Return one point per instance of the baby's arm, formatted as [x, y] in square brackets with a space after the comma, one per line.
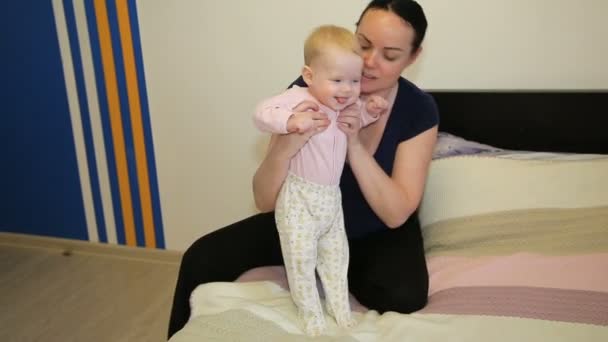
[271, 115]
[276, 115]
[371, 110]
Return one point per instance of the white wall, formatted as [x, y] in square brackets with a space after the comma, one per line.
[208, 62]
[515, 44]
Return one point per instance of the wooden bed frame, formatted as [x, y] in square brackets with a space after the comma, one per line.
[549, 121]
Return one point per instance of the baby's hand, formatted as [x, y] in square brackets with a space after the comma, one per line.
[376, 105]
[306, 118]
[300, 122]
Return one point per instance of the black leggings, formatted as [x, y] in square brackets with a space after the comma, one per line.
[387, 270]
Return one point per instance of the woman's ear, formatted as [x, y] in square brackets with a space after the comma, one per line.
[307, 75]
[414, 56]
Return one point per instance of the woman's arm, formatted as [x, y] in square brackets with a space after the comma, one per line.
[394, 198]
[271, 173]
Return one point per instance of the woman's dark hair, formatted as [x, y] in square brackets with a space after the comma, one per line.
[408, 10]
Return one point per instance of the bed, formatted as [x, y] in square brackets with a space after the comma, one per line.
[515, 226]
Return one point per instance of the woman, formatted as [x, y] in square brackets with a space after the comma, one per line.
[382, 184]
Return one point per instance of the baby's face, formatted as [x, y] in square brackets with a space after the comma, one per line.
[336, 80]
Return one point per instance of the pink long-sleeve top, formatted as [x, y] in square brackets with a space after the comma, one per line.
[322, 158]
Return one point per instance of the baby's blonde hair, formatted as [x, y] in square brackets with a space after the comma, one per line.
[328, 36]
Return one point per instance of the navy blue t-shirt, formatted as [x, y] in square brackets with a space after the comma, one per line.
[413, 112]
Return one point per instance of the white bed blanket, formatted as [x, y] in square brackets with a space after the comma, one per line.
[263, 311]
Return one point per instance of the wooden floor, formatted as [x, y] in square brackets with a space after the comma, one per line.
[70, 292]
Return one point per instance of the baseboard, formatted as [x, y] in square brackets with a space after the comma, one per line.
[70, 246]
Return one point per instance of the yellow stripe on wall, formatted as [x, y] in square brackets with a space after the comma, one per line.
[126, 41]
[90, 84]
[109, 70]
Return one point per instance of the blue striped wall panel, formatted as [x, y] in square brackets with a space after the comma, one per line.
[39, 185]
[75, 136]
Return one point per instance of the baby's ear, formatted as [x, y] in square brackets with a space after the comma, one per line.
[307, 75]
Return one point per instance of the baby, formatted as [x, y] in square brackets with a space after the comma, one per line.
[309, 207]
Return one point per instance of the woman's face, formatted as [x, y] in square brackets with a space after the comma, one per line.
[386, 44]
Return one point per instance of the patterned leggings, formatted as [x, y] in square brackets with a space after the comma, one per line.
[310, 223]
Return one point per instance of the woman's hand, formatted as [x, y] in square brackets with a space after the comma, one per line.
[306, 117]
[306, 121]
[349, 122]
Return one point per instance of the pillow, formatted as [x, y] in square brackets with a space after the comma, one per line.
[546, 155]
[518, 237]
[449, 145]
[464, 185]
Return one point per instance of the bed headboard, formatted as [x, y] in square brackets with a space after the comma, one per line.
[551, 121]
